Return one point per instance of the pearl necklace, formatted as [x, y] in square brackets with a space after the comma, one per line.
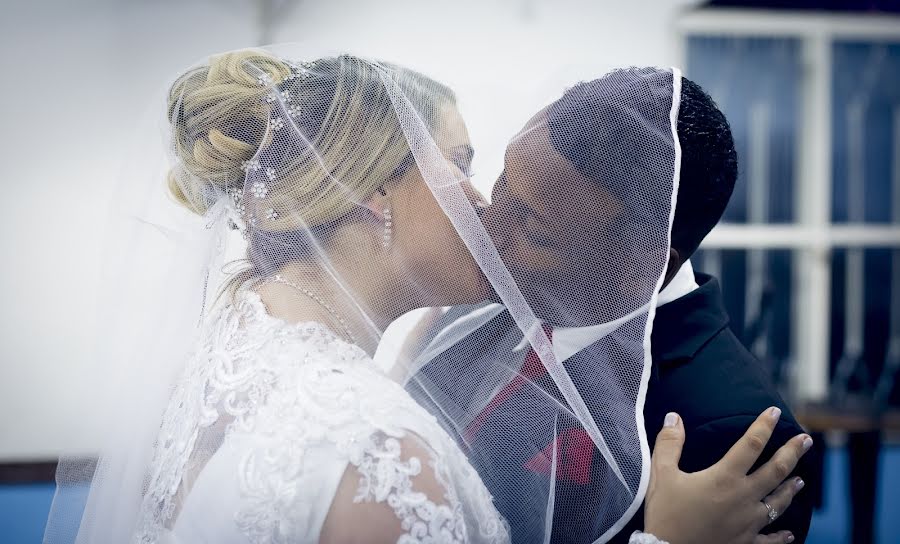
[277, 278]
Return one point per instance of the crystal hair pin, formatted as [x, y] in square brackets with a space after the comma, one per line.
[259, 189]
[235, 194]
[300, 71]
[250, 166]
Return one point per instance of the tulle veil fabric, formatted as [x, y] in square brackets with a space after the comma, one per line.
[288, 198]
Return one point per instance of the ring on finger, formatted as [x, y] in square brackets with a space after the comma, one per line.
[771, 512]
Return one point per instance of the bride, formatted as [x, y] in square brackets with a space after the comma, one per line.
[279, 428]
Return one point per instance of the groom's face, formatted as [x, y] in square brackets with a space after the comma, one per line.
[552, 227]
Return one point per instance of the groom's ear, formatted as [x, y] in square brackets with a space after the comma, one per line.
[675, 262]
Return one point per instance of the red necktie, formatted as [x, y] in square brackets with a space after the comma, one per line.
[574, 447]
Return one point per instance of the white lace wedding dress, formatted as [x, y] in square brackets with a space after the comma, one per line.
[266, 421]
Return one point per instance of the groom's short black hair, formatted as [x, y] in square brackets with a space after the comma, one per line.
[587, 128]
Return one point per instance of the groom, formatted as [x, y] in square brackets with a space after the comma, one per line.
[549, 200]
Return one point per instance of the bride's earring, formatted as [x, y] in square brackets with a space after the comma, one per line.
[388, 228]
[388, 235]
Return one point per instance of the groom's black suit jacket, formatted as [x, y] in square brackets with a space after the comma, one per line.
[703, 372]
[700, 370]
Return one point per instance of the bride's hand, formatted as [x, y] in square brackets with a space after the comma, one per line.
[722, 503]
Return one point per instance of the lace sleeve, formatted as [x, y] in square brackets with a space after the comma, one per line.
[638, 537]
[396, 492]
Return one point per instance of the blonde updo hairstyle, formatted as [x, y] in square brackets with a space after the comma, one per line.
[219, 116]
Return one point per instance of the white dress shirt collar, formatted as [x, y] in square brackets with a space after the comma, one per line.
[567, 341]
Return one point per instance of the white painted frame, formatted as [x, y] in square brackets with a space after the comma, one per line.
[812, 236]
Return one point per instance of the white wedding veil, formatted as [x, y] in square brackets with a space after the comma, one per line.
[580, 227]
[276, 167]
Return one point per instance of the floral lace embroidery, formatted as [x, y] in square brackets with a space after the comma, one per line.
[299, 386]
[638, 537]
[234, 369]
[386, 477]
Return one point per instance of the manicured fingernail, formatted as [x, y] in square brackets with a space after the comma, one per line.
[807, 443]
[775, 413]
[798, 484]
[790, 537]
[671, 419]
